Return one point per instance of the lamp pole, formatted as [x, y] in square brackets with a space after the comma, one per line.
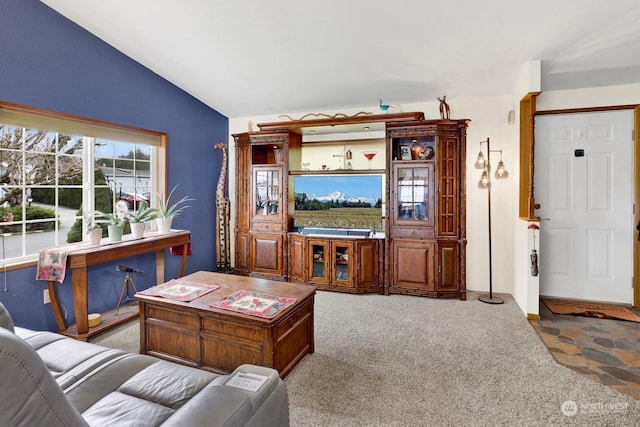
[489, 299]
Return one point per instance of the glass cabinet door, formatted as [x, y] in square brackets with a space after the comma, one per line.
[414, 188]
[267, 191]
[342, 259]
[318, 271]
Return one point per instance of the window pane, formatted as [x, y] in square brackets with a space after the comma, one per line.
[69, 170]
[124, 150]
[103, 199]
[40, 141]
[41, 169]
[69, 200]
[127, 165]
[143, 181]
[143, 152]
[43, 196]
[103, 148]
[70, 145]
[37, 241]
[11, 243]
[10, 137]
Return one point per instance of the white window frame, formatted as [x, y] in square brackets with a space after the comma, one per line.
[31, 118]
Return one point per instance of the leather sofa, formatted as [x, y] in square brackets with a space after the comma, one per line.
[47, 379]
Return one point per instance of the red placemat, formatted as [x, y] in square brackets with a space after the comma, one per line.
[180, 290]
[254, 303]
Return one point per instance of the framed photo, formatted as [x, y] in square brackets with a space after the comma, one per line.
[422, 152]
[404, 152]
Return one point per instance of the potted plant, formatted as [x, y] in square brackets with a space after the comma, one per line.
[95, 233]
[138, 218]
[115, 225]
[168, 210]
[94, 230]
[115, 221]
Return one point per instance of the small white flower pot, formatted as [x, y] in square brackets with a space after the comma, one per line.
[137, 229]
[95, 236]
[164, 224]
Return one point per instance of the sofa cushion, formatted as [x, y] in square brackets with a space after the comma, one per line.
[105, 379]
[68, 360]
[119, 409]
[167, 383]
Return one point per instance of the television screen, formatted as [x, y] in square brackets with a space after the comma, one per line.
[338, 201]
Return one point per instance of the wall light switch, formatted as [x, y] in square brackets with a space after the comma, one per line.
[45, 297]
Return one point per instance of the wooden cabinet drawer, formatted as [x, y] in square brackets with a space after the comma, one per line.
[413, 232]
[291, 321]
[171, 334]
[174, 317]
[163, 340]
[221, 328]
[271, 226]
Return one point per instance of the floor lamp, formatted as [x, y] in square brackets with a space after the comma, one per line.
[485, 183]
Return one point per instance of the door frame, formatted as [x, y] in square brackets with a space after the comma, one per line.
[527, 146]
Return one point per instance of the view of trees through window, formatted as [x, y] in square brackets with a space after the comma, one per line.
[46, 183]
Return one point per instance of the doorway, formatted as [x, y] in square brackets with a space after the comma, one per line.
[584, 196]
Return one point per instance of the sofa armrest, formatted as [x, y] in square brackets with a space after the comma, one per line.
[30, 396]
[5, 319]
[257, 398]
[213, 406]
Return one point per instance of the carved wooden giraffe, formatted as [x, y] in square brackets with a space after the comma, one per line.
[223, 246]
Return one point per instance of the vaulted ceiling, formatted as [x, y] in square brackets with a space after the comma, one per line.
[251, 57]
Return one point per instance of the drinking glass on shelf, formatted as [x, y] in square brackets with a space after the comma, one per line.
[369, 155]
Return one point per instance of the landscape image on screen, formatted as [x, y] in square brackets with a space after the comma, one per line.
[338, 201]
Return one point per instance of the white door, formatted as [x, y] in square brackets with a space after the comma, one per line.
[583, 185]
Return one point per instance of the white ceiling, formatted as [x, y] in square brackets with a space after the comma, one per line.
[253, 57]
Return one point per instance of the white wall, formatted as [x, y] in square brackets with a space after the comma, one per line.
[588, 98]
[526, 288]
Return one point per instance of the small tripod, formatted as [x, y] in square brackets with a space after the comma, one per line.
[128, 282]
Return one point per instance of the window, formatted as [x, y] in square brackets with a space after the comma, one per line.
[54, 167]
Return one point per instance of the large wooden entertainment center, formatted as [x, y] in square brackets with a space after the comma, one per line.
[423, 247]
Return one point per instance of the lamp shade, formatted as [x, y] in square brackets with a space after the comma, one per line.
[484, 182]
[501, 172]
[480, 162]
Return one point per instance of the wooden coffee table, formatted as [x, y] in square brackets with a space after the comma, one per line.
[195, 334]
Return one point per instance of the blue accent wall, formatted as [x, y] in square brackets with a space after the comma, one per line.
[48, 62]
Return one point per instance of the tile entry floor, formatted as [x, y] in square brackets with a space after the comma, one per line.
[605, 350]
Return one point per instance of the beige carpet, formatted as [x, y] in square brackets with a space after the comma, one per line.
[410, 361]
[590, 309]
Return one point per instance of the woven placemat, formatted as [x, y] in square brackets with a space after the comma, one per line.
[254, 303]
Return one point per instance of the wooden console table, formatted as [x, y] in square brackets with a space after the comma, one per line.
[78, 263]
